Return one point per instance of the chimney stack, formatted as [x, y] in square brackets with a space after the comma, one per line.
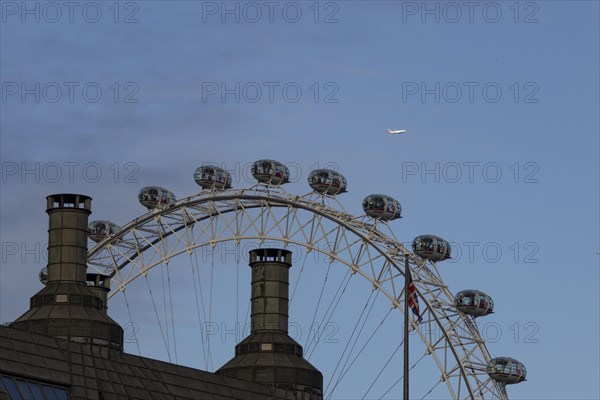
[66, 307]
[270, 290]
[269, 355]
[67, 237]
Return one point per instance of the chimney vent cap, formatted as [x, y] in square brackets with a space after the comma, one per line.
[68, 200]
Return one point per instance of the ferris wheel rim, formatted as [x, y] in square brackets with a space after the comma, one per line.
[340, 218]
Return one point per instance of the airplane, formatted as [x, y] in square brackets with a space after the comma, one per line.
[396, 131]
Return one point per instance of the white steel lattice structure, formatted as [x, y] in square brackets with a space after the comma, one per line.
[317, 222]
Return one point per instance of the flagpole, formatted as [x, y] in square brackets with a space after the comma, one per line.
[406, 298]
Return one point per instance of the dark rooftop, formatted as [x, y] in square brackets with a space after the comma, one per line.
[90, 374]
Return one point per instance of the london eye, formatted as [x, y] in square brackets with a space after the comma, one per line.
[361, 251]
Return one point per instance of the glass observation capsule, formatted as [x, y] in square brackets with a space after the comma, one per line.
[474, 303]
[271, 172]
[101, 229]
[43, 275]
[382, 207]
[327, 181]
[431, 247]
[155, 196]
[212, 177]
[506, 370]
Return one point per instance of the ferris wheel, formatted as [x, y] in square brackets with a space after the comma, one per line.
[363, 249]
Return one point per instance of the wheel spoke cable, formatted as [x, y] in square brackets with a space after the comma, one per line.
[198, 301]
[172, 314]
[351, 337]
[137, 342]
[237, 288]
[383, 368]
[402, 377]
[343, 370]
[360, 352]
[326, 319]
[360, 331]
[431, 390]
[312, 322]
[212, 270]
[297, 280]
[162, 332]
[165, 308]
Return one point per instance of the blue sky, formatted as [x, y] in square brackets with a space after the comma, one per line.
[512, 98]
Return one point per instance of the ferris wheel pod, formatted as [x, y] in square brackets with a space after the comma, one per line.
[431, 247]
[474, 303]
[43, 275]
[271, 172]
[506, 370]
[101, 229]
[380, 206]
[155, 196]
[327, 181]
[212, 177]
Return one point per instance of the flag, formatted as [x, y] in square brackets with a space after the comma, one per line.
[413, 302]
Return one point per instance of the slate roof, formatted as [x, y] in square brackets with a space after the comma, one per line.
[91, 374]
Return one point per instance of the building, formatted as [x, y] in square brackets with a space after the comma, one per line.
[66, 346]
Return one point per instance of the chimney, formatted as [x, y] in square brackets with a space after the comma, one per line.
[67, 237]
[269, 355]
[270, 290]
[67, 308]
